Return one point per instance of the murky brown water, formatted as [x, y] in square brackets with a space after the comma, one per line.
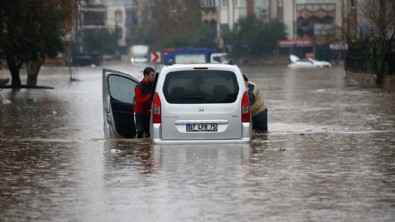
[329, 156]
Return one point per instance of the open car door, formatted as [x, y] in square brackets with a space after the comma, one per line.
[118, 104]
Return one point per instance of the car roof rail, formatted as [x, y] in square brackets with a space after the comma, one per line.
[170, 62]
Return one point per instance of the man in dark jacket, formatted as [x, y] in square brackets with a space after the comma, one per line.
[142, 106]
[257, 105]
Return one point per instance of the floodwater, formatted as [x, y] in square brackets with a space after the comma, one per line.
[329, 156]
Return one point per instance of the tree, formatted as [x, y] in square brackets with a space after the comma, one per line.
[100, 41]
[379, 15]
[31, 30]
[252, 37]
[208, 34]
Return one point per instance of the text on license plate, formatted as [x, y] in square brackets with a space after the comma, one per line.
[202, 127]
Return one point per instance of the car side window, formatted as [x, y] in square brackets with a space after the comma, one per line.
[121, 88]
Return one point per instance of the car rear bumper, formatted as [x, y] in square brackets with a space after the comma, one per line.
[246, 137]
[238, 141]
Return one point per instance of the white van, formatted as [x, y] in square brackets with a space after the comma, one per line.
[200, 103]
[139, 54]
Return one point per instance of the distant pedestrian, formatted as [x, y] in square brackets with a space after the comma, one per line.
[142, 104]
[258, 107]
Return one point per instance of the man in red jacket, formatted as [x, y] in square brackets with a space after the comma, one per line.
[142, 106]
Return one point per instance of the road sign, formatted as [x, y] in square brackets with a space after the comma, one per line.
[155, 57]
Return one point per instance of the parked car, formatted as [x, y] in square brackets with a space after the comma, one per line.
[200, 103]
[118, 104]
[296, 62]
[86, 60]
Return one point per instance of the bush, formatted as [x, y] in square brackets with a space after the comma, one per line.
[4, 82]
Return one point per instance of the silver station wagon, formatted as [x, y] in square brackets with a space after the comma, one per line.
[200, 103]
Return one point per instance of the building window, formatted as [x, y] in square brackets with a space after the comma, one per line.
[131, 18]
[118, 17]
[241, 3]
[123, 2]
[207, 3]
[94, 18]
[259, 3]
[315, 7]
[224, 3]
[280, 3]
[353, 3]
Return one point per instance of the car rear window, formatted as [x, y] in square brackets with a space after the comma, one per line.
[200, 86]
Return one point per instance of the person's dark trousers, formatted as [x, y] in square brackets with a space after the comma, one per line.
[259, 122]
[142, 125]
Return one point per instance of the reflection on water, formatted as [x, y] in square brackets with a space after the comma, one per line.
[329, 155]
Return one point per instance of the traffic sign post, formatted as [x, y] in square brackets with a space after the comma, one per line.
[155, 57]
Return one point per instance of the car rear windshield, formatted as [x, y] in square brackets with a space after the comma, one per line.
[200, 86]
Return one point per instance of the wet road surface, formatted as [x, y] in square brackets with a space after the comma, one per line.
[329, 156]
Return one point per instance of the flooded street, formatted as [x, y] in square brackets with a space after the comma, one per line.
[329, 156]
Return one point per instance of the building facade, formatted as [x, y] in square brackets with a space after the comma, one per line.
[115, 15]
[323, 21]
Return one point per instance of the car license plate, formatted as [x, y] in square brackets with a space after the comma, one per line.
[202, 127]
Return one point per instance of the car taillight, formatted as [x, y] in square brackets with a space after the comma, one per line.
[245, 109]
[156, 106]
